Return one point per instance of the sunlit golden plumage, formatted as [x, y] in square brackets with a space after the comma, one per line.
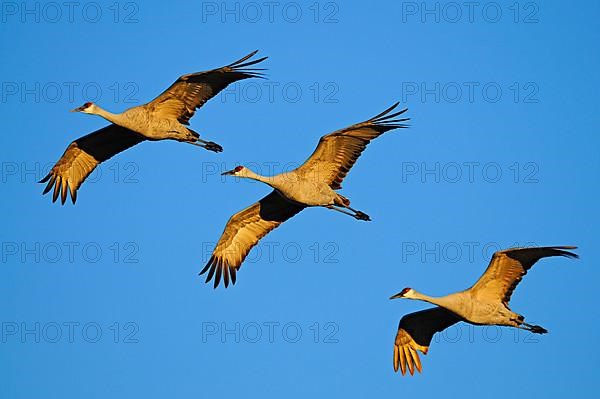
[311, 184]
[164, 118]
[485, 303]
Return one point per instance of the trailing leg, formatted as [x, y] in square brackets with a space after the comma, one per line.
[209, 145]
[343, 202]
[357, 214]
[520, 323]
[360, 215]
[534, 329]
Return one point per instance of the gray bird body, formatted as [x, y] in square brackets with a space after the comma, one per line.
[299, 187]
[148, 122]
[473, 309]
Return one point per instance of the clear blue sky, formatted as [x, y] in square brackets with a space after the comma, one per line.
[503, 151]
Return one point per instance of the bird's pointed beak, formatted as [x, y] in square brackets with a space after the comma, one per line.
[229, 172]
[398, 295]
[78, 109]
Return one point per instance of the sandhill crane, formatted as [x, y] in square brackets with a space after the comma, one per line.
[485, 303]
[164, 118]
[312, 184]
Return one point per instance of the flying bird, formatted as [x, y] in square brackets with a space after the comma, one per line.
[164, 118]
[314, 183]
[485, 303]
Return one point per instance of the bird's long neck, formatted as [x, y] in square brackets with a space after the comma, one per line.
[450, 302]
[109, 116]
[272, 181]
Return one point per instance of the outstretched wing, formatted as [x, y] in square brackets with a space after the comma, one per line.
[83, 155]
[507, 268]
[243, 231]
[191, 91]
[337, 152]
[415, 332]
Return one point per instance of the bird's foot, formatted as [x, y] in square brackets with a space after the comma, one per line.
[362, 216]
[538, 330]
[212, 146]
[533, 328]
